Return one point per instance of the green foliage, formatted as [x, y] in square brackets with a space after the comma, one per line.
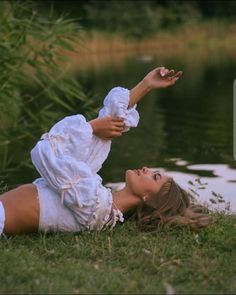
[35, 90]
[141, 18]
[137, 18]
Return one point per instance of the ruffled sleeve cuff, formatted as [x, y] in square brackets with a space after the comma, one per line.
[116, 103]
[115, 215]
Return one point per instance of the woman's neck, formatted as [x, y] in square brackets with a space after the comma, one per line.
[124, 200]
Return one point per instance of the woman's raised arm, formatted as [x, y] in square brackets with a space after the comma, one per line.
[118, 113]
[157, 78]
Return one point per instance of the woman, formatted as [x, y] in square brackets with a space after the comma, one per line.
[69, 195]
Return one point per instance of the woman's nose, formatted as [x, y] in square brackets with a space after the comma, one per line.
[145, 169]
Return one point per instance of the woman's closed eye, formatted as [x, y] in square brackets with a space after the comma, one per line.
[156, 175]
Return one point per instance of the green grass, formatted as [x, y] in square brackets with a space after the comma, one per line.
[123, 261]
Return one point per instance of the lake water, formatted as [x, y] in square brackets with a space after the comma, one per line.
[185, 131]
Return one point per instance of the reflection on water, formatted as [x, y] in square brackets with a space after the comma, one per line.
[222, 181]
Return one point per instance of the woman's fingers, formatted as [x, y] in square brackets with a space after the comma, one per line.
[169, 73]
[116, 133]
[166, 73]
[118, 123]
[177, 75]
[163, 71]
[173, 79]
[180, 73]
[118, 128]
[118, 119]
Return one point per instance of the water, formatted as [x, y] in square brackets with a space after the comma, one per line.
[185, 130]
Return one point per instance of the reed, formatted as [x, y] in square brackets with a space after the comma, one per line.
[35, 91]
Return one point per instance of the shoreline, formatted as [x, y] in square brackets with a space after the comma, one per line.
[98, 49]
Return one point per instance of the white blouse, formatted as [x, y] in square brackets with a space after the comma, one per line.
[69, 156]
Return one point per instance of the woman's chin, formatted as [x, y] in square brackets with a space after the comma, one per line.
[129, 172]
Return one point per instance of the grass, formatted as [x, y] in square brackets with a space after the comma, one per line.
[124, 261]
[127, 260]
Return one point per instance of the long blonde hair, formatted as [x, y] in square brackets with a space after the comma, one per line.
[172, 206]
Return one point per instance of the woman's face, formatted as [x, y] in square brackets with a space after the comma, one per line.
[143, 182]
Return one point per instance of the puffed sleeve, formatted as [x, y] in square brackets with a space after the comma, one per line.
[58, 157]
[71, 136]
[116, 103]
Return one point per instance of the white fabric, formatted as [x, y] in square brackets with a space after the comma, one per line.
[115, 216]
[2, 218]
[116, 104]
[54, 216]
[69, 156]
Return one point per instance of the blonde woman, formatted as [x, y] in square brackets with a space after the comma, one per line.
[69, 195]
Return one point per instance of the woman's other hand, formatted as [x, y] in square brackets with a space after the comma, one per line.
[108, 127]
[161, 78]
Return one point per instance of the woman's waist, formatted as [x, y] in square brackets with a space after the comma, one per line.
[92, 216]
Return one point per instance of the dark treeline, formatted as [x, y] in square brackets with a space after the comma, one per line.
[207, 8]
[140, 17]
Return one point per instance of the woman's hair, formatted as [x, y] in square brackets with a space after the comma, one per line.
[172, 206]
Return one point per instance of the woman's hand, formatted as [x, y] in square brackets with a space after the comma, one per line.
[161, 78]
[108, 127]
[157, 78]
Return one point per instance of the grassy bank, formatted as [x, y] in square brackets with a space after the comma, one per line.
[201, 40]
[123, 261]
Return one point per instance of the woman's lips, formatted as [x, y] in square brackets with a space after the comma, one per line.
[137, 172]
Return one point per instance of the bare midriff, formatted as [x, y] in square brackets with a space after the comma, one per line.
[22, 210]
